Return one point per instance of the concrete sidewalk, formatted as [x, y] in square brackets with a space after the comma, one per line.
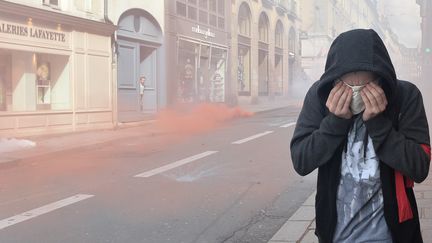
[301, 226]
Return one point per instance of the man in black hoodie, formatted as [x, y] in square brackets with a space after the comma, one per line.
[367, 133]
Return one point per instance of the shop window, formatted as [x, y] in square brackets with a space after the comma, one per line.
[5, 81]
[201, 72]
[221, 7]
[213, 20]
[263, 72]
[278, 72]
[192, 13]
[292, 41]
[243, 70]
[192, 2]
[203, 17]
[217, 75]
[43, 86]
[181, 9]
[32, 82]
[2, 92]
[186, 70]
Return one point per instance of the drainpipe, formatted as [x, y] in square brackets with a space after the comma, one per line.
[113, 68]
[107, 20]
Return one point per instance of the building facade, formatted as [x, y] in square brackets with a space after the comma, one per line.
[55, 66]
[197, 47]
[409, 68]
[139, 52]
[264, 58]
[426, 42]
[323, 21]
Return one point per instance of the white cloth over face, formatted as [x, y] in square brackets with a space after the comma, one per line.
[357, 104]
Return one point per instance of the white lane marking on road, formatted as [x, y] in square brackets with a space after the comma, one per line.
[289, 124]
[175, 164]
[252, 137]
[42, 210]
[277, 123]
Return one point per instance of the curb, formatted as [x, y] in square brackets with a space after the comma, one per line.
[122, 125]
[300, 226]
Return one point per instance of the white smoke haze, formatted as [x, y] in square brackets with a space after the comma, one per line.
[404, 18]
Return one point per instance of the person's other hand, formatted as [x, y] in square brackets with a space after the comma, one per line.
[374, 99]
[339, 100]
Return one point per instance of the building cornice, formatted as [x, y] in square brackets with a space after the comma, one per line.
[58, 17]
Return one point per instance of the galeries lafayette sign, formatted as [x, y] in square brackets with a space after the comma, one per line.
[32, 32]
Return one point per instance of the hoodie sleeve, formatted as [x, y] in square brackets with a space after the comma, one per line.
[404, 150]
[316, 136]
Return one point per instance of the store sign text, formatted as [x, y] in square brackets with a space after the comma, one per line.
[207, 33]
[31, 32]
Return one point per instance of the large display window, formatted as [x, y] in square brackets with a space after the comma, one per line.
[33, 81]
[201, 69]
[244, 70]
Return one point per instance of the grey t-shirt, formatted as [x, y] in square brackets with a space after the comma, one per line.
[359, 202]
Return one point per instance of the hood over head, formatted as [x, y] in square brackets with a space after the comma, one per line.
[358, 50]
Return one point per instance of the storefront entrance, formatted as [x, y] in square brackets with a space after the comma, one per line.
[139, 39]
[201, 69]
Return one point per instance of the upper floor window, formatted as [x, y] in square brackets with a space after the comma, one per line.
[279, 35]
[51, 2]
[209, 12]
[203, 4]
[244, 22]
[88, 5]
[221, 7]
[263, 28]
[181, 9]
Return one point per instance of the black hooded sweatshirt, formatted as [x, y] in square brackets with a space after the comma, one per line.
[400, 134]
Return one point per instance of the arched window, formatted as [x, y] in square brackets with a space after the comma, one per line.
[279, 34]
[244, 22]
[291, 42]
[263, 26]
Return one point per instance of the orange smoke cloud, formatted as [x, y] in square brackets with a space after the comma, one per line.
[199, 118]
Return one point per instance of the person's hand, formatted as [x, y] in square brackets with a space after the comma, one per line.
[339, 101]
[374, 99]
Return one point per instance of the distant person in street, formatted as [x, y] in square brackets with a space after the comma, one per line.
[367, 133]
[141, 90]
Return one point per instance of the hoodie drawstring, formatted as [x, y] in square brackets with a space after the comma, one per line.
[365, 144]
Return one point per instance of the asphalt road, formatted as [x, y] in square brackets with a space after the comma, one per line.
[234, 183]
